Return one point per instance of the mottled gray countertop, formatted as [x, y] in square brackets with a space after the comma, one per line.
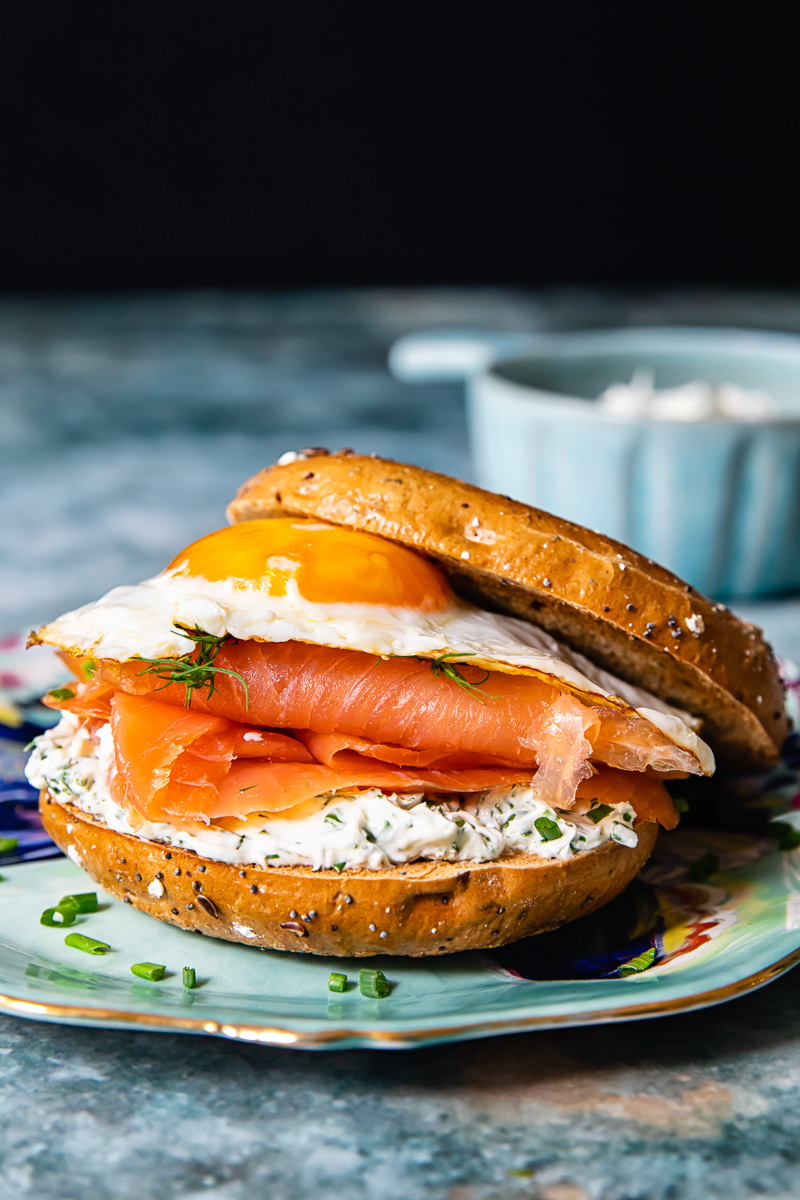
[126, 424]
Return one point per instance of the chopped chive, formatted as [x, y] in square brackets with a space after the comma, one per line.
[88, 668]
[249, 788]
[189, 977]
[704, 867]
[9, 843]
[338, 867]
[788, 837]
[638, 964]
[333, 817]
[89, 946]
[597, 814]
[82, 902]
[146, 970]
[337, 982]
[373, 984]
[64, 693]
[58, 916]
[548, 830]
[681, 803]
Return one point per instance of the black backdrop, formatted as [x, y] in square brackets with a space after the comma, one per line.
[247, 144]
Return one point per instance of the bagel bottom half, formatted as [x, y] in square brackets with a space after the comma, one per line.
[417, 909]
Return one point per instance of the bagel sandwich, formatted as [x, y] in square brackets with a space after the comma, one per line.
[384, 711]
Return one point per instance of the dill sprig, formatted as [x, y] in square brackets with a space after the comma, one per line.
[196, 669]
[443, 668]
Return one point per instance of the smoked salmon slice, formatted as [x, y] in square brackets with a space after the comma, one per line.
[273, 787]
[401, 702]
[177, 764]
[172, 760]
[327, 747]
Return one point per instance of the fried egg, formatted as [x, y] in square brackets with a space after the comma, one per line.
[296, 579]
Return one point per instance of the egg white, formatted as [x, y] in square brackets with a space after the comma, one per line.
[147, 620]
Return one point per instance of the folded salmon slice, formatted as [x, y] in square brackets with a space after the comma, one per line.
[177, 764]
[275, 787]
[401, 702]
[329, 747]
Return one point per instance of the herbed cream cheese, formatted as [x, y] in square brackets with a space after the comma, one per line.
[353, 829]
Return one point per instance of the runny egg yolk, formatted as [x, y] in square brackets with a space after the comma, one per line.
[329, 565]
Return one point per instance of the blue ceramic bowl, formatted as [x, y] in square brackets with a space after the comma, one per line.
[718, 501]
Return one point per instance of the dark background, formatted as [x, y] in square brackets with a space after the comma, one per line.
[255, 144]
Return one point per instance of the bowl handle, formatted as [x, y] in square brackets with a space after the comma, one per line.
[453, 353]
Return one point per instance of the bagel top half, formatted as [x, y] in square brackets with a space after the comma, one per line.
[618, 608]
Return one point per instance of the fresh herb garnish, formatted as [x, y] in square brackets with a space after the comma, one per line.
[61, 694]
[189, 977]
[638, 964]
[9, 843]
[548, 830]
[337, 982]
[788, 836]
[597, 814]
[339, 867]
[195, 670]
[249, 788]
[88, 668]
[58, 916]
[82, 902]
[333, 818]
[681, 803]
[704, 867]
[79, 941]
[373, 984]
[148, 970]
[443, 668]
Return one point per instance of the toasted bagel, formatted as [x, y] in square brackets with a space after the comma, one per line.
[419, 909]
[618, 608]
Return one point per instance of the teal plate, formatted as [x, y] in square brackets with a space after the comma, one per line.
[713, 940]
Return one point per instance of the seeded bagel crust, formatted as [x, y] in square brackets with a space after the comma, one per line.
[620, 609]
[422, 908]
